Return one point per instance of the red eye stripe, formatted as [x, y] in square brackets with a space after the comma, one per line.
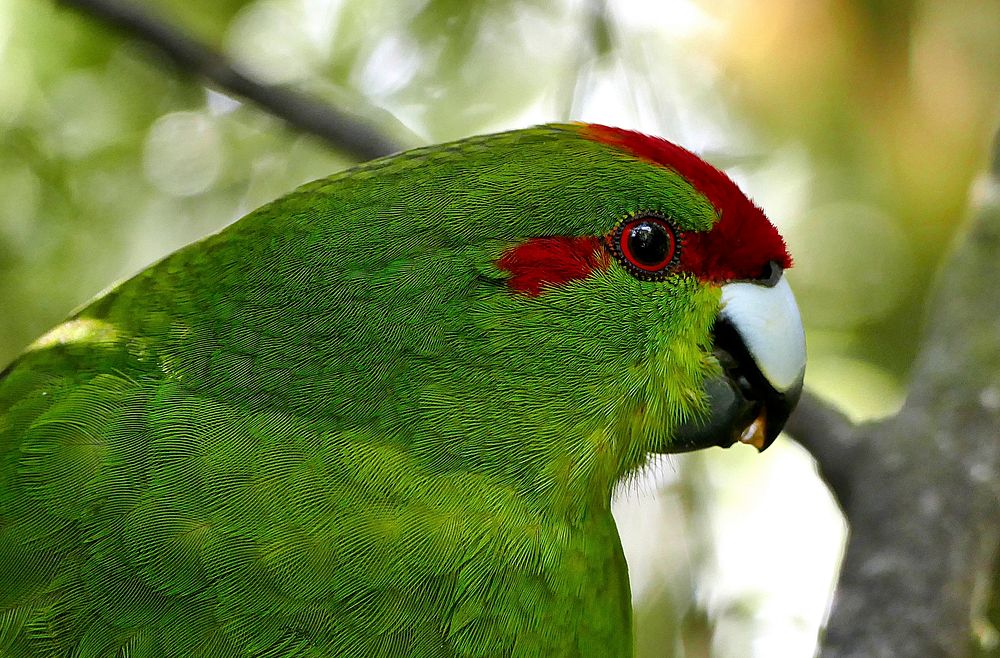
[551, 261]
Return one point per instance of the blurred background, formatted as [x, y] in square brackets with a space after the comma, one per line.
[859, 125]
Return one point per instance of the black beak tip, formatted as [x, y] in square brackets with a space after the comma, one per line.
[777, 408]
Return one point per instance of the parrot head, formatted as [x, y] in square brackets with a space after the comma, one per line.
[757, 335]
[550, 303]
[731, 265]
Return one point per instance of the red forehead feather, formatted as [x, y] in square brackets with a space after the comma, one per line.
[742, 242]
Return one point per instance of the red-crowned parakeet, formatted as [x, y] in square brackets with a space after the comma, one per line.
[384, 415]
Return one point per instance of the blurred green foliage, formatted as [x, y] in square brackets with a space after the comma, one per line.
[859, 125]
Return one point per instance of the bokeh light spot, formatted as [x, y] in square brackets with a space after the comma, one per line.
[183, 153]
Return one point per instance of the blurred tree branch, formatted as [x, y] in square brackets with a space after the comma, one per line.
[924, 493]
[312, 116]
[920, 490]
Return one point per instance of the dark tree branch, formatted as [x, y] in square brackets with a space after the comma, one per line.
[924, 509]
[307, 114]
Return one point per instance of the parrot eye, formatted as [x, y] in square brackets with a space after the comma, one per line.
[646, 246]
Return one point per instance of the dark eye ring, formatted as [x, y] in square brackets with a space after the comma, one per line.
[647, 245]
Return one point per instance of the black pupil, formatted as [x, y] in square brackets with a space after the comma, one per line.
[649, 243]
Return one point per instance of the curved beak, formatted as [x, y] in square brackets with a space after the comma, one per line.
[761, 347]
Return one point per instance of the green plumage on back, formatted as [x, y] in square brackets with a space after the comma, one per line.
[334, 428]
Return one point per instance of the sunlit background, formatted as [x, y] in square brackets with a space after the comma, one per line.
[859, 125]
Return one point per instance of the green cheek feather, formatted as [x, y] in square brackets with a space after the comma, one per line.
[384, 415]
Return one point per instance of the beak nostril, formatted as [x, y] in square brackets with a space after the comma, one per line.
[771, 274]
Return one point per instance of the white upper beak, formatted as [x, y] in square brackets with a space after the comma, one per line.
[767, 319]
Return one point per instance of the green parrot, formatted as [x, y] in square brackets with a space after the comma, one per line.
[385, 414]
